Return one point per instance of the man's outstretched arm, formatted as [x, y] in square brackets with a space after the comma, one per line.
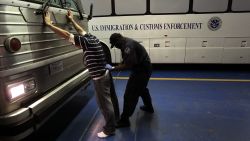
[78, 28]
[63, 33]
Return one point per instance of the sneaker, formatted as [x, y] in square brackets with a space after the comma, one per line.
[103, 135]
[122, 123]
[147, 109]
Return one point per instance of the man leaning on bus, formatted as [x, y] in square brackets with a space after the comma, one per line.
[95, 62]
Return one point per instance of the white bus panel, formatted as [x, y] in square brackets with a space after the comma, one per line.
[190, 38]
[167, 50]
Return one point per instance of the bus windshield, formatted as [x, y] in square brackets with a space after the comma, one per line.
[66, 4]
[69, 4]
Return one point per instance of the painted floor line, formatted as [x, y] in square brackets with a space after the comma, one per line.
[191, 79]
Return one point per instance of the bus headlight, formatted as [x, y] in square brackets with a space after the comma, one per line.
[16, 91]
[20, 89]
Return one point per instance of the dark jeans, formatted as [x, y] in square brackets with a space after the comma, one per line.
[103, 97]
[136, 87]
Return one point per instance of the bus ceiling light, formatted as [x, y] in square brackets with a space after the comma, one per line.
[20, 89]
[12, 44]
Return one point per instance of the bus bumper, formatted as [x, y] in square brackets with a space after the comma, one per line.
[24, 121]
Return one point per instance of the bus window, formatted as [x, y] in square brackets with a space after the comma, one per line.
[101, 7]
[69, 4]
[169, 6]
[210, 5]
[240, 5]
[124, 7]
[55, 3]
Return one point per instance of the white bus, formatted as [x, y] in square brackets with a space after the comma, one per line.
[178, 31]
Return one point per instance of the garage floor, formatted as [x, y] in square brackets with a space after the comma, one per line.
[200, 105]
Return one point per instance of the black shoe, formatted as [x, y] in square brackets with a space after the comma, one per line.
[122, 123]
[147, 109]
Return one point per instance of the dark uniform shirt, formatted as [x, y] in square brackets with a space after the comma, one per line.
[135, 55]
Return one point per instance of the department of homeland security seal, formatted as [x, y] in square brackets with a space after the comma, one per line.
[214, 23]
